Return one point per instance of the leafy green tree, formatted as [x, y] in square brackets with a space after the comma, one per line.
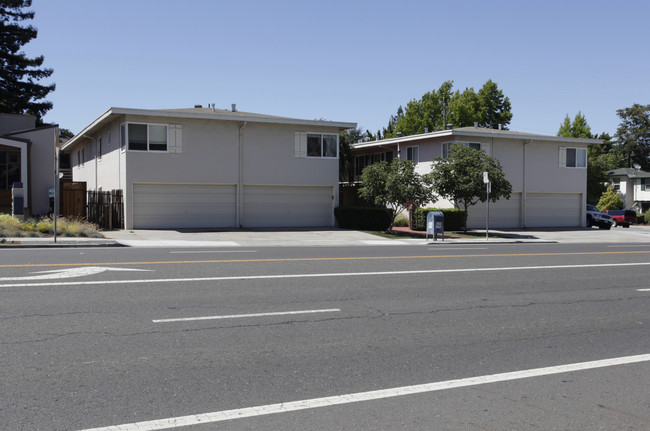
[576, 129]
[20, 92]
[610, 200]
[489, 108]
[394, 186]
[459, 177]
[494, 107]
[346, 157]
[633, 135]
[600, 160]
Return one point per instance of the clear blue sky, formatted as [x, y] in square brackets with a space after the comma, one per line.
[353, 61]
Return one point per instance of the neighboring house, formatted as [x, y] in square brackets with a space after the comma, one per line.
[211, 168]
[27, 155]
[548, 173]
[634, 187]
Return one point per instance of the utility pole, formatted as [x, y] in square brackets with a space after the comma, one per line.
[444, 113]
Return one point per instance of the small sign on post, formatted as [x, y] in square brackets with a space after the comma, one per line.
[488, 189]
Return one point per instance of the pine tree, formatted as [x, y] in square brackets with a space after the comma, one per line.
[20, 92]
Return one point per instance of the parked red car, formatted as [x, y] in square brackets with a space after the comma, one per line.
[622, 217]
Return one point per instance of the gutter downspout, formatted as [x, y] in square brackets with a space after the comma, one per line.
[523, 192]
[240, 184]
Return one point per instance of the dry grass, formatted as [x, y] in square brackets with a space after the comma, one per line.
[11, 227]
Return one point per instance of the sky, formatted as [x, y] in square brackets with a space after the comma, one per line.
[350, 61]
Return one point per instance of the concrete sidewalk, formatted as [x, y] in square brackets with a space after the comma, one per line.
[327, 237]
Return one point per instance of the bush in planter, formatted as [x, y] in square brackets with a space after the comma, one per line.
[363, 218]
[454, 218]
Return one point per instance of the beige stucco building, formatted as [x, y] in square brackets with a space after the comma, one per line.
[211, 168]
[548, 173]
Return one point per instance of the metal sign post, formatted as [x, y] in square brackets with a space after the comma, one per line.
[486, 180]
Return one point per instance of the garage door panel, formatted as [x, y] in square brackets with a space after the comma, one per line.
[184, 206]
[287, 206]
[504, 213]
[553, 209]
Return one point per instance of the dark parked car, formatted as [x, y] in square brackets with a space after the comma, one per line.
[596, 218]
[622, 217]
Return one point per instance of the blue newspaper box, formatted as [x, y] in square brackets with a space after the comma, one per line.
[435, 225]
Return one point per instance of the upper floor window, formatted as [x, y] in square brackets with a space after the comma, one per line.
[322, 145]
[146, 137]
[644, 184]
[573, 157]
[413, 154]
[447, 145]
[616, 183]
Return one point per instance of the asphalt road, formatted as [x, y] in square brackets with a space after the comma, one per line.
[445, 337]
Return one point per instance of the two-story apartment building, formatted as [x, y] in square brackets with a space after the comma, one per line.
[548, 173]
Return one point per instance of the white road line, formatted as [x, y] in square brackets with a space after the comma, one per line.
[203, 418]
[334, 274]
[643, 290]
[239, 316]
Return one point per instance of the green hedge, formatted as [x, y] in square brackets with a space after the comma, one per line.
[454, 218]
[362, 218]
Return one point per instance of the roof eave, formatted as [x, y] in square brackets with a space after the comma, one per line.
[477, 133]
[204, 116]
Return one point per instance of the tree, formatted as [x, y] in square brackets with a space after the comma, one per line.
[459, 177]
[437, 108]
[346, 158]
[394, 186]
[20, 92]
[494, 107]
[576, 129]
[633, 135]
[610, 201]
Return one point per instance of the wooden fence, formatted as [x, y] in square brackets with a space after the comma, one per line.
[73, 199]
[106, 209]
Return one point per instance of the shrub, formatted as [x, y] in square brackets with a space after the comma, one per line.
[45, 226]
[362, 218]
[9, 222]
[454, 218]
[401, 221]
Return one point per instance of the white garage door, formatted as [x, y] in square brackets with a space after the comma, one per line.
[184, 206]
[287, 206]
[504, 213]
[553, 209]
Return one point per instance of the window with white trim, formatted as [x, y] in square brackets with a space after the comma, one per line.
[146, 137]
[317, 145]
[644, 184]
[413, 154]
[616, 183]
[447, 145]
[322, 145]
[573, 157]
